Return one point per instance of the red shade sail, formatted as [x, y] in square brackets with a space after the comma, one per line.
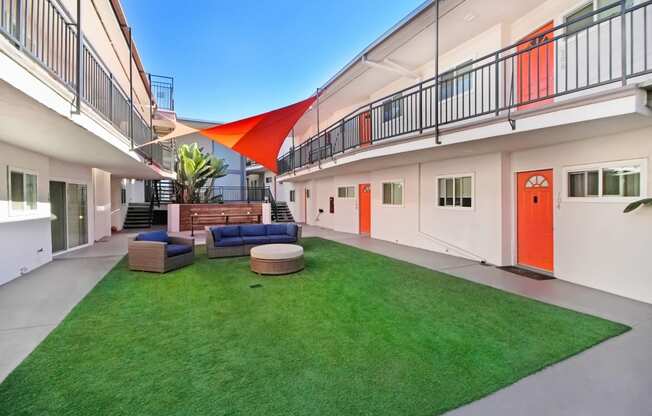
[260, 137]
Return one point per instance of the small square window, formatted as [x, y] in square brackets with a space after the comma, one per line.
[292, 195]
[23, 192]
[455, 191]
[392, 193]
[346, 192]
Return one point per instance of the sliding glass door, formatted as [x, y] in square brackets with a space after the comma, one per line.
[58, 222]
[69, 207]
[76, 215]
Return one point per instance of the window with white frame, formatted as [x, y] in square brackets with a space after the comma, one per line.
[22, 191]
[455, 191]
[393, 193]
[457, 81]
[605, 181]
[292, 195]
[392, 108]
[346, 192]
[588, 8]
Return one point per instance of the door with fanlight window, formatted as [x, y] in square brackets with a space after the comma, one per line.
[364, 207]
[536, 68]
[535, 236]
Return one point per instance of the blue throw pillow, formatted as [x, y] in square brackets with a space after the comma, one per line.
[253, 230]
[292, 230]
[160, 236]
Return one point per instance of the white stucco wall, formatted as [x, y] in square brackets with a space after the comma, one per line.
[102, 206]
[27, 242]
[596, 244]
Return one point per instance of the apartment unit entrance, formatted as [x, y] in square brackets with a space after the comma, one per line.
[536, 68]
[364, 128]
[535, 244]
[69, 225]
[364, 208]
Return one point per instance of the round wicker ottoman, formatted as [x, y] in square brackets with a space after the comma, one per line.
[276, 259]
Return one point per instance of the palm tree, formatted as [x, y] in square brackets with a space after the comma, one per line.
[196, 173]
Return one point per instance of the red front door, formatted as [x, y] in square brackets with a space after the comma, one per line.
[364, 128]
[364, 198]
[535, 219]
[536, 68]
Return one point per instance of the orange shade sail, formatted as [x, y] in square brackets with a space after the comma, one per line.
[260, 137]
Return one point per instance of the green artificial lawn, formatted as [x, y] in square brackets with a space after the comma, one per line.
[355, 333]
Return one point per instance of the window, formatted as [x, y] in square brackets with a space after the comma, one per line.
[457, 81]
[393, 193]
[455, 191]
[268, 179]
[609, 180]
[346, 192]
[581, 184]
[22, 192]
[292, 195]
[588, 9]
[392, 108]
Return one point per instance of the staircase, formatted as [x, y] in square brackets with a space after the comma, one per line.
[282, 213]
[139, 215]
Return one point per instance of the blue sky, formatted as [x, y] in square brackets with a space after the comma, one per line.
[231, 59]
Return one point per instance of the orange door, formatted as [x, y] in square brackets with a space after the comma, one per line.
[534, 216]
[536, 67]
[364, 198]
[364, 128]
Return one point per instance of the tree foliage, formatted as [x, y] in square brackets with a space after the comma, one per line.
[196, 174]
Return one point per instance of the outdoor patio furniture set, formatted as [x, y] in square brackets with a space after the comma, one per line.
[272, 247]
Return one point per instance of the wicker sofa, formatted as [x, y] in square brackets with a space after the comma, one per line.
[238, 240]
[158, 252]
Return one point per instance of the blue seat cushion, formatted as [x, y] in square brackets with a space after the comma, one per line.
[160, 236]
[253, 230]
[292, 230]
[177, 249]
[284, 238]
[256, 239]
[229, 242]
[276, 229]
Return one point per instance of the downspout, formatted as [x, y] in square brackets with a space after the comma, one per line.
[437, 141]
[131, 92]
[78, 52]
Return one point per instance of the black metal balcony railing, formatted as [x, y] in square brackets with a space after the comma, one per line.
[163, 91]
[612, 44]
[44, 30]
[163, 192]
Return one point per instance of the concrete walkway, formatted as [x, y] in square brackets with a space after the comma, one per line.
[613, 378]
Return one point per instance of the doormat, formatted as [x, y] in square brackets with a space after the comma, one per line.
[526, 273]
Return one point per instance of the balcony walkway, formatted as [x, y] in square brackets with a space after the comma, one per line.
[614, 377]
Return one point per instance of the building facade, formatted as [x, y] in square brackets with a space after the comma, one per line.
[75, 107]
[524, 150]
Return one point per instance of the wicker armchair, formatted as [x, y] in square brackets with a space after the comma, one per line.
[156, 256]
